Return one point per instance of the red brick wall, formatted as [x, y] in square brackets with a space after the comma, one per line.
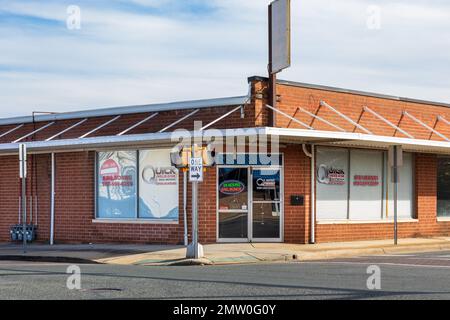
[296, 182]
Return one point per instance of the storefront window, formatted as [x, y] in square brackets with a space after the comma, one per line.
[116, 185]
[405, 198]
[158, 185]
[443, 187]
[332, 183]
[355, 184]
[123, 194]
[366, 187]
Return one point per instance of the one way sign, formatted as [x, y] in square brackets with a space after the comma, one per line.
[196, 170]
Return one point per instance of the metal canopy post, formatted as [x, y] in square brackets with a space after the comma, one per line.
[323, 103]
[388, 122]
[425, 125]
[138, 124]
[290, 117]
[321, 119]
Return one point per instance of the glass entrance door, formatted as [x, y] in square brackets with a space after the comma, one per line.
[233, 199]
[266, 204]
[249, 202]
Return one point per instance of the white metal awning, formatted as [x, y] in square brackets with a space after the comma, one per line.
[352, 139]
[285, 136]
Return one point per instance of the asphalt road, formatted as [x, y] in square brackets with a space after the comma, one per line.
[412, 276]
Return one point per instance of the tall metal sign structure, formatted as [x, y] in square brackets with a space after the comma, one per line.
[279, 46]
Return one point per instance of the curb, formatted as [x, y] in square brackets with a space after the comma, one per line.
[53, 259]
[191, 262]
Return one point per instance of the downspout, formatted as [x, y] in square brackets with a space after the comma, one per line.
[186, 241]
[52, 204]
[313, 192]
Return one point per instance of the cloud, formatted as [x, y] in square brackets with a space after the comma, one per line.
[144, 51]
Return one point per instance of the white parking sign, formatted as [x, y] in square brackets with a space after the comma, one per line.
[196, 170]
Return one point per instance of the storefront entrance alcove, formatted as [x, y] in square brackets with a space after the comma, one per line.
[250, 203]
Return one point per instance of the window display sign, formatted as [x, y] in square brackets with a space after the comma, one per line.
[158, 185]
[116, 184]
[332, 183]
[366, 181]
[231, 187]
[329, 175]
[266, 185]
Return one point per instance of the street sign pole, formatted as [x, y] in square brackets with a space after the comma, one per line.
[23, 176]
[195, 176]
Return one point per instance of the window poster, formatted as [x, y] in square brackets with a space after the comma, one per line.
[116, 184]
[332, 183]
[158, 185]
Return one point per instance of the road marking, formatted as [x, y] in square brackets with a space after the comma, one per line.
[378, 263]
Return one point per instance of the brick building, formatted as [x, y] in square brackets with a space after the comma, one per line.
[325, 178]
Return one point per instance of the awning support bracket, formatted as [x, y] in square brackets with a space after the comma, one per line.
[11, 130]
[377, 115]
[138, 124]
[67, 129]
[222, 117]
[179, 120]
[321, 119]
[290, 117]
[34, 132]
[323, 103]
[425, 125]
[100, 127]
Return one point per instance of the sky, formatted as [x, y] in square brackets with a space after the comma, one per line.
[151, 51]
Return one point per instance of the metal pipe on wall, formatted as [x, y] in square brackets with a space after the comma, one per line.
[52, 204]
[311, 155]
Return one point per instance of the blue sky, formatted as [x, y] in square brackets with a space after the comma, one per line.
[146, 51]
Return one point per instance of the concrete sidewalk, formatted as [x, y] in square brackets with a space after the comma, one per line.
[215, 254]
[75, 253]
